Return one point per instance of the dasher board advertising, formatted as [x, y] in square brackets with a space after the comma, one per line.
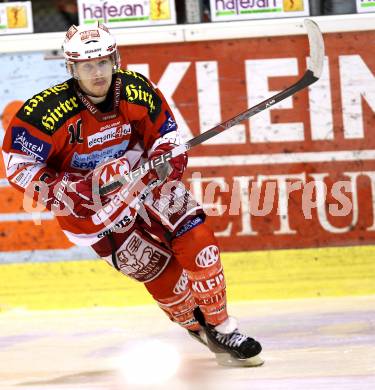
[364, 6]
[16, 18]
[127, 13]
[225, 10]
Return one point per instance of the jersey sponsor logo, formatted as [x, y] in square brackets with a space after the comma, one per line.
[190, 321]
[141, 259]
[33, 103]
[23, 141]
[217, 298]
[207, 256]
[118, 84]
[182, 284]
[26, 176]
[110, 125]
[135, 75]
[118, 225]
[189, 225]
[91, 160]
[138, 94]
[16, 161]
[204, 286]
[108, 135]
[139, 91]
[53, 116]
[168, 126]
[88, 104]
[48, 110]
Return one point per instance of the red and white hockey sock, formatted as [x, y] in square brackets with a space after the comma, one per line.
[172, 293]
[198, 253]
[180, 309]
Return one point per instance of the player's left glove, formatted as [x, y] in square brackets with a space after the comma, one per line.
[176, 167]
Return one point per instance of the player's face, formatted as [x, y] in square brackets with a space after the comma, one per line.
[95, 76]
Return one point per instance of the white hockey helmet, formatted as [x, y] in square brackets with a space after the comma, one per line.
[85, 43]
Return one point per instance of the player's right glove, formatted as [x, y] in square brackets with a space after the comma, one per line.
[175, 167]
[68, 194]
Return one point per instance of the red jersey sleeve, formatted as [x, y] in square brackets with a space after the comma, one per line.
[26, 151]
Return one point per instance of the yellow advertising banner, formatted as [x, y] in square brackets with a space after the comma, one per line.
[16, 17]
[293, 5]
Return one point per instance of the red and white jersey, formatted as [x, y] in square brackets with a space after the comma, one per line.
[60, 129]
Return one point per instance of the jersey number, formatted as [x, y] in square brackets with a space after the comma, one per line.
[75, 132]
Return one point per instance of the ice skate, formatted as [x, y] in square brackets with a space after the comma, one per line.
[231, 347]
[199, 335]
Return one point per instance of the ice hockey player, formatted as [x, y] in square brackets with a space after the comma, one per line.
[104, 121]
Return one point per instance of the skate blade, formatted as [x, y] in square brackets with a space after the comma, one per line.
[225, 359]
[201, 338]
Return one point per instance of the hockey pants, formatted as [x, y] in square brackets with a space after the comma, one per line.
[180, 273]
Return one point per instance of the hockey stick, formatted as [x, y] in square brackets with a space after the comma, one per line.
[311, 75]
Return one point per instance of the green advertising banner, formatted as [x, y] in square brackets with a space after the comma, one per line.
[127, 13]
[225, 10]
[365, 6]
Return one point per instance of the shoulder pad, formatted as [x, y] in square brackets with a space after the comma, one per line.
[137, 89]
[51, 108]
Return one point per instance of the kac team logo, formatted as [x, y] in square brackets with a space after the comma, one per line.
[182, 284]
[207, 256]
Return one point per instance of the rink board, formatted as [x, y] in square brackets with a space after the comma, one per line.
[282, 274]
